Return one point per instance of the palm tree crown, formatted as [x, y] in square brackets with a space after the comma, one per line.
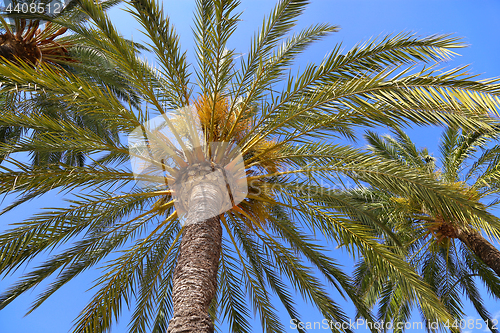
[448, 253]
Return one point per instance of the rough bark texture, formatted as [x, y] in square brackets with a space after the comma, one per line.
[481, 247]
[195, 276]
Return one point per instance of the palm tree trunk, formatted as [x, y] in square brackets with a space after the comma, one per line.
[489, 254]
[195, 276]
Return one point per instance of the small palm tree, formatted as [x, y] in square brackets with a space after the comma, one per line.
[198, 273]
[449, 253]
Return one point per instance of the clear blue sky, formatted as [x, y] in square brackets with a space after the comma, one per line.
[476, 21]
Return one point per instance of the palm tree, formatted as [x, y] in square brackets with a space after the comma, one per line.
[26, 41]
[198, 273]
[424, 235]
